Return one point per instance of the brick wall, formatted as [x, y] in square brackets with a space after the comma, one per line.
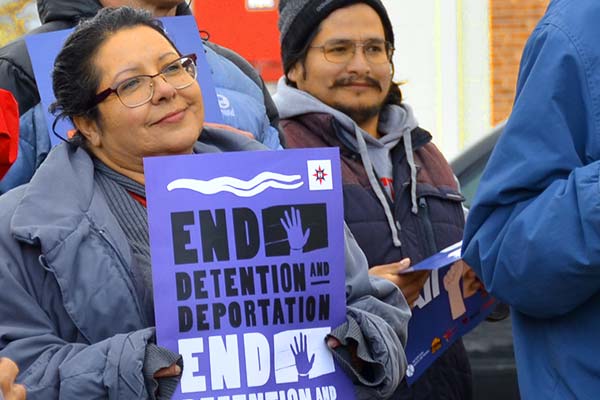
[511, 22]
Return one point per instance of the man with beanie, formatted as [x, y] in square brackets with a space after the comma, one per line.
[401, 200]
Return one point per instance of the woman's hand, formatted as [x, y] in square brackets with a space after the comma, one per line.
[357, 363]
[170, 371]
[8, 389]
[410, 283]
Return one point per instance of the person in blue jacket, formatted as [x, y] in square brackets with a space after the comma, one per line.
[533, 234]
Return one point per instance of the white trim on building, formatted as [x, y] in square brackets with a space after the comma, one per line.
[442, 52]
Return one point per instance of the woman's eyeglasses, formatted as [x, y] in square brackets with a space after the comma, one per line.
[138, 90]
[341, 51]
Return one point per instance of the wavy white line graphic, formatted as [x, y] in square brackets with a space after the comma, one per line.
[238, 187]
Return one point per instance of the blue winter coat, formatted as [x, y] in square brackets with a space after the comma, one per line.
[533, 233]
[241, 101]
[86, 343]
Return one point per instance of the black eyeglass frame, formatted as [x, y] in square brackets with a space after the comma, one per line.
[103, 95]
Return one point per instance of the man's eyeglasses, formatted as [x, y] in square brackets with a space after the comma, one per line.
[138, 90]
[338, 51]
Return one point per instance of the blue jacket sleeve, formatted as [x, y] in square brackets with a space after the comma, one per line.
[533, 233]
[36, 330]
[56, 367]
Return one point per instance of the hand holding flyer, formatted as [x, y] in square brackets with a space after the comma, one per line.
[410, 283]
[452, 302]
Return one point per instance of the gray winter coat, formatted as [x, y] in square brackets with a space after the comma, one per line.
[69, 315]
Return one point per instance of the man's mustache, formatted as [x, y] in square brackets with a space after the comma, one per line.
[351, 80]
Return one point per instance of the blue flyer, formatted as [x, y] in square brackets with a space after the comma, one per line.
[447, 309]
[445, 257]
[43, 49]
[248, 269]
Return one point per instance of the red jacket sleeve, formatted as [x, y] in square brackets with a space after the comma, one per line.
[9, 131]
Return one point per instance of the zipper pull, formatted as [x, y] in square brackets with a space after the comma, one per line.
[44, 263]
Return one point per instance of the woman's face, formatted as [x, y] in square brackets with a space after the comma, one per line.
[168, 124]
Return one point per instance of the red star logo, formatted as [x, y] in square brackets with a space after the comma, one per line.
[320, 175]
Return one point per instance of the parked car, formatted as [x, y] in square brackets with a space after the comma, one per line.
[469, 164]
[490, 345]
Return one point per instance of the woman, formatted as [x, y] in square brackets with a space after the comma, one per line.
[75, 277]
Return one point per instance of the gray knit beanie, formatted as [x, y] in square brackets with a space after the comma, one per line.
[299, 18]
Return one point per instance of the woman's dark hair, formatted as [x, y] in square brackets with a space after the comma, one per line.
[75, 79]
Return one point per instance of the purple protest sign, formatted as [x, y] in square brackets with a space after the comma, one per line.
[248, 267]
[43, 49]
